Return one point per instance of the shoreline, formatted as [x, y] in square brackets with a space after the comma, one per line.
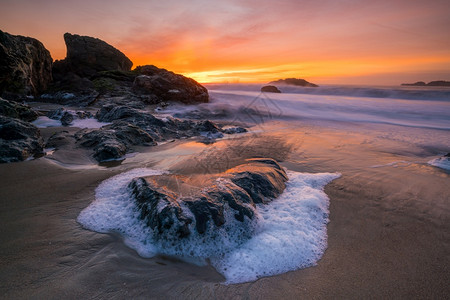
[384, 238]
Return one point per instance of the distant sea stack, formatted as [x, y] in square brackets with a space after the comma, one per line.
[270, 89]
[431, 83]
[294, 81]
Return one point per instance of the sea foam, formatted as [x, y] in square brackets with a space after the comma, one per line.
[441, 162]
[289, 233]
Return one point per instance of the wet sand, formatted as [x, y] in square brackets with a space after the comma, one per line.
[388, 236]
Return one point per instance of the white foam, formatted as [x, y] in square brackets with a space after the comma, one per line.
[112, 210]
[44, 122]
[441, 162]
[292, 232]
[287, 234]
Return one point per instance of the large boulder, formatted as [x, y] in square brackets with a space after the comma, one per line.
[25, 66]
[86, 56]
[168, 86]
[19, 140]
[16, 110]
[209, 203]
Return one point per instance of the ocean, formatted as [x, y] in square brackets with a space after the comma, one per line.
[410, 116]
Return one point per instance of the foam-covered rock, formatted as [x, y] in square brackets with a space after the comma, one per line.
[19, 140]
[25, 66]
[169, 212]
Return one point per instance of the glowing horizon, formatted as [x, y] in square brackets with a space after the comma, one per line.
[348, 41]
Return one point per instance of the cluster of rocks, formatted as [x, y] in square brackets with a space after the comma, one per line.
[19, 139]
[238, 189]
[134, 127]
[93, 72]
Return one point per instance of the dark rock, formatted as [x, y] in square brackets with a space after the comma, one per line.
[431, 83]
[25, 65]
[234, 130]
[109, 113]
[438, 83]
[109, 150]
[270, 89]
[19, 140]
[87, 55]
[168, 86]
[238, 189]
[61, 114]
[418, 83]
[17, 110]
[113, 141]
[294, 81]
[59, 139]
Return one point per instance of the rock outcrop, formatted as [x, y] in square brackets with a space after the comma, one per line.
[16, 110]
[431, 83]
[168, 86]
[19, 140]
[134, 127]
[175, 213]
[270, 89]
[25, 66]
[86, 56]
[294, 81]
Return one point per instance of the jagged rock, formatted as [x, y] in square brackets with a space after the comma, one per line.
[294, 81]
[62, 115]
[113, 141]
[25, 66]
[168, 86]
[270, 89]
[17, 110]
[19, 140]
[170, 213]
[234, 130]
[87, 55]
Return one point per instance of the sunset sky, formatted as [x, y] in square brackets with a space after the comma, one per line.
[323, 41]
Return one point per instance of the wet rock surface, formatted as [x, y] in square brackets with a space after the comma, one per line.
[19, 140]
[25, 66]
[16, 110]
[170, 211]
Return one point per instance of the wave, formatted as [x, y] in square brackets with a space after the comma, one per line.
[289, 233]
[255, 107]
[397, 92]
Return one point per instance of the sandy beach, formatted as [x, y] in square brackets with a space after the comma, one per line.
[388, 235]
